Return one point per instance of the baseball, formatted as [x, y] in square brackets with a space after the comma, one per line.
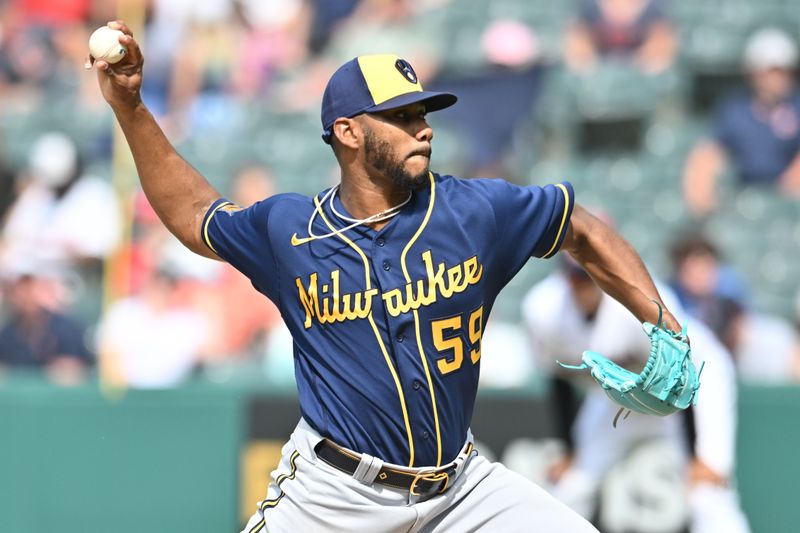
[104, 44]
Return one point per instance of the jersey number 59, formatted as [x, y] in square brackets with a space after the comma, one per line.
[447, 337]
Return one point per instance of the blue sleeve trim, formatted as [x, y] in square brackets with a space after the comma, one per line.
[222, 202]
[569, 204]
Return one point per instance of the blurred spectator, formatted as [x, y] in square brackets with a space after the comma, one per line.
[326, 16]
[275, 38]
[65, 218]
[512, 75]
[241, 328]
[238, 320]
[37, 37]
[196, 311]
[40, 88]
[172, 347]
[202, 76]
[27, 60]
[198, 44]
[635, 31]
[757, 129]
[37, 336]
[51, 12]
[335, 32]
[764, 347]
[71, 89]
[61, 215]
[143, 251]
[387, 26]
[700, 278]
[252, 183]
[168, 27]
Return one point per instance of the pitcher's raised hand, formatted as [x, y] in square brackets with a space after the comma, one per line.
[120, 83]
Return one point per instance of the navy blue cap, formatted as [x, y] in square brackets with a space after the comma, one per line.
[369, 84]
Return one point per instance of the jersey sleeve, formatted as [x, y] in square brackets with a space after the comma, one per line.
[240, 236]
[531, 221]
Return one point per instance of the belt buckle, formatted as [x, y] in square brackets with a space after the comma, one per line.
[431, 476]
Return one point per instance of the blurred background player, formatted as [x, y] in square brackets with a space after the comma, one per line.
[578, 316]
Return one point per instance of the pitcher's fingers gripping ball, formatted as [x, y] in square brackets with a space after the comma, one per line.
[119, 74]
[104, 44]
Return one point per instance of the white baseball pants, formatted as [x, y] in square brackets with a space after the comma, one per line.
[308, 495]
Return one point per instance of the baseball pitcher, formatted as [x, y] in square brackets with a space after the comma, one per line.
[385, 281]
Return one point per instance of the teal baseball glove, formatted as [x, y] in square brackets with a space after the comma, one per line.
[668, 382]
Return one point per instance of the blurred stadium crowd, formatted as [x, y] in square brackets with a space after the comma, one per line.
[679, 121]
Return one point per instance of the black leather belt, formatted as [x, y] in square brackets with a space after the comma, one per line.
[422, 484]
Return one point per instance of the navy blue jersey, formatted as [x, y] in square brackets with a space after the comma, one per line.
[387, 324]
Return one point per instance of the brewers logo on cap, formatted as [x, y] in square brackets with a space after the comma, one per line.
[406, 70]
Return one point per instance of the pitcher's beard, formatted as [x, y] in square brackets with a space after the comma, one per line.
[382, 157]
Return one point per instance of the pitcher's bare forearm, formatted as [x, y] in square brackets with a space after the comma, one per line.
[179, 194]
[615, 266]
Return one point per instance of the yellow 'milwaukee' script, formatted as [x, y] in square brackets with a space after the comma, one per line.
[329, 305]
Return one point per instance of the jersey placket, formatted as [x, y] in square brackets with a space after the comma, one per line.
[402, 337]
